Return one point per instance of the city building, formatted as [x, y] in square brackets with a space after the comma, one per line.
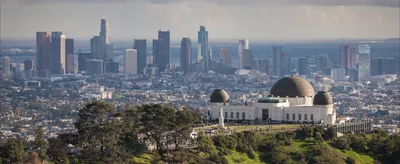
[5, 66]
[285, 64]
[164, 35]
[82, 57]
[98, 92]
[390, 66]
[94, 67]
[69, 54]
[243, 45]
[95, 48]
[150, 71]
[276, 60]
[354, 60]
[43, 50]
[100, 46]
[57, 53]
[247, 59]
[291, 99]
[159, 54]
[140, 46]
[364, 62]
[345, 56]
[353, 75]
[377, 66]
[303, 66]
[338, 74]
[324, 64]
[186, 54]
[28, 64]
[225, 55]
[111, 66]
[202, 48]
[130, 61]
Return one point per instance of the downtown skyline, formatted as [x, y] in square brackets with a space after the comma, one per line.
[266, 21]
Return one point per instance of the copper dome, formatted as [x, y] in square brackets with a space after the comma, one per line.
[219, 96]
[292, 86]
[322, 98]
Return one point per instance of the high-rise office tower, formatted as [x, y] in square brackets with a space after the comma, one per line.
[57, 53]
[43, 50]
[345, 56]
[225, 55]
[159, 54]
[186, 55]
[28, 64]
[285, 64]
[338, 74]
[5, 66]
[247, 59]
[353, 74]
[94, 67]
[390, 66]
[203, 47]
[165, 36]
[69, 54]
[82, 57]
[354, 60]
[324, 64]
[377, 66]
[303, 66]
[243, 45]
[130, 61]
[276, 60]
[104, 32]
[95, 47]
[111, 66]
[140, 46]
[364, 62]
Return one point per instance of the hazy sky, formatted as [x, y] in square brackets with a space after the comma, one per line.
[253, 19]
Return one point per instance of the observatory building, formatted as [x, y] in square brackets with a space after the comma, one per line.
[291, 99]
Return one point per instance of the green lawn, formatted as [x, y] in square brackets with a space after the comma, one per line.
[238, 157]
[360, 158]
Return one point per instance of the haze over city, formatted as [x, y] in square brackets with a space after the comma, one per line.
[257, 20]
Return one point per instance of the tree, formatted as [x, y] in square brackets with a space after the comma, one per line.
[204, 143]
[14, 151]
[57, 151]
[40, 144]
[129, 135]
[98, 128]
[184, 119]
[341, 143]
[156, 122]
[31, 158]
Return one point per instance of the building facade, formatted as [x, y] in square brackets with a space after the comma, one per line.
[140, 46]
[276, 60]
[130, 61]
[292, 99]
[186, 55]
[164, 35]
[345, 56]
[69, 54]
[43, 50]
[57, 53]
[225, 55]
[364, 62]
[243, 45]
[303, 66]
[202, 42]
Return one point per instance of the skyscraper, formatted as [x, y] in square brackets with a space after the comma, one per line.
[69, 54]
[104, 32]
[28, 64]
[276, 60]
[5, 64]
[324, 64]
[94, 67]
[165, 36]
[141, 47]
[354, 60]
[186, 55]
[82, 57]
[364, 61]
[247, 59]
[95, 47]
[159, 57]
[225, 54]
[57, 53]
[43, 50]
[377, 66]
[203, 47]
[285, 64]
[345, 56]
[303, 66]
[243, 45]
[390, 66]
[130, 61]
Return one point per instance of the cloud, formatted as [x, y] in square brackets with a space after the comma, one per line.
[381, 3]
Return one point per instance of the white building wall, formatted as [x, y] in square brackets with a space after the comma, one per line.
[130, 61]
